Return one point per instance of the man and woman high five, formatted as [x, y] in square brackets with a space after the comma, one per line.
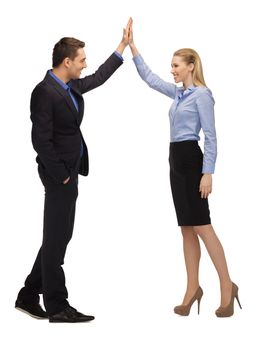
[57, 109]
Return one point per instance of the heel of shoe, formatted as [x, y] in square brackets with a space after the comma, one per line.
[199, 298]
[199, 302]
[237, 298]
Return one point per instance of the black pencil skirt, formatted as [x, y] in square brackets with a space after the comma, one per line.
[186, 159]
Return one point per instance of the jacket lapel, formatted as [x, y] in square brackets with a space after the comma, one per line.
[64, 93]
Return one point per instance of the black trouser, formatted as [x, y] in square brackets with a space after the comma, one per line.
[47, 276]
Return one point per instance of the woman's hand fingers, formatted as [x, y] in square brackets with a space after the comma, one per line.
[205, 185]
[205, 191]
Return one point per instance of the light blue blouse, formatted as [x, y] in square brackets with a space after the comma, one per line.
[191, 111]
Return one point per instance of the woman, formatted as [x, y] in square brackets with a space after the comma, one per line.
[191, 171]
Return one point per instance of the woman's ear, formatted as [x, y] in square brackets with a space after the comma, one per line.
[191, 67]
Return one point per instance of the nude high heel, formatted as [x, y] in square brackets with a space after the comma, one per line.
[228, 310]
[184, 310]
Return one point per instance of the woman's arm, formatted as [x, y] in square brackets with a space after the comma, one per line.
[153, 80]
[133, 48]
[205, 106]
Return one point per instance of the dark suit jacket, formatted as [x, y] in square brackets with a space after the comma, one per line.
[56, 134]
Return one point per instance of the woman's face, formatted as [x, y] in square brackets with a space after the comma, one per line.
[181, 71]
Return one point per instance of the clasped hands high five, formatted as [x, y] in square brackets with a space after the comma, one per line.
[127, 39]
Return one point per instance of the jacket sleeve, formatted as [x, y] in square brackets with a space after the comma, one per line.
[42, 133]
[103, 73]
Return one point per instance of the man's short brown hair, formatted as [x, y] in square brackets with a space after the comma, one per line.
[66, 47]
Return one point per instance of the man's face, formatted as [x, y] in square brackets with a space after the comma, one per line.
[75, 66]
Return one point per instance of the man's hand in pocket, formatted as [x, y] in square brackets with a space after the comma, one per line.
[66, 180]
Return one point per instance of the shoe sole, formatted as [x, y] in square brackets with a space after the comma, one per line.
[31, 315]
[54, 321]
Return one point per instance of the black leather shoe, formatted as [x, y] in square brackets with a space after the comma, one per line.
[70, 315]
[33, 310]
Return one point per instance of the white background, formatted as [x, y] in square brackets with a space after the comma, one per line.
[125, 263]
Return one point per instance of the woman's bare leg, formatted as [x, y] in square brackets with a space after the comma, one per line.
[192, 254]
[216, 252]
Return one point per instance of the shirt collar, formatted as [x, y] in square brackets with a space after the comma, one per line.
[60, 82]
[187, 91]
[191, 88]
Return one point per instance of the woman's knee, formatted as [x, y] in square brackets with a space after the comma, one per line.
[201, 229]
[187, 230]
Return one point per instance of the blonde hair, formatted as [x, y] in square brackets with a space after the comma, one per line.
[191, 56]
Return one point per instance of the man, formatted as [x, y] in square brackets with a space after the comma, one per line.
[56, 112]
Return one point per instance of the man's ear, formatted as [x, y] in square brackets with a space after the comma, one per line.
[66, 62]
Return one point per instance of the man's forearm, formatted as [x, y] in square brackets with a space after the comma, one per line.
[121, 48]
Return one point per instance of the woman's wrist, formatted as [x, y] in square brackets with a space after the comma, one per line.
[134, 50]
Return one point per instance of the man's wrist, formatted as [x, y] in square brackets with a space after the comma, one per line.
[121, 48]
[119, 55]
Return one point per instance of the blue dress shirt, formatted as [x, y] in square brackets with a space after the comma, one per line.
[68, 89]
[191, 111]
